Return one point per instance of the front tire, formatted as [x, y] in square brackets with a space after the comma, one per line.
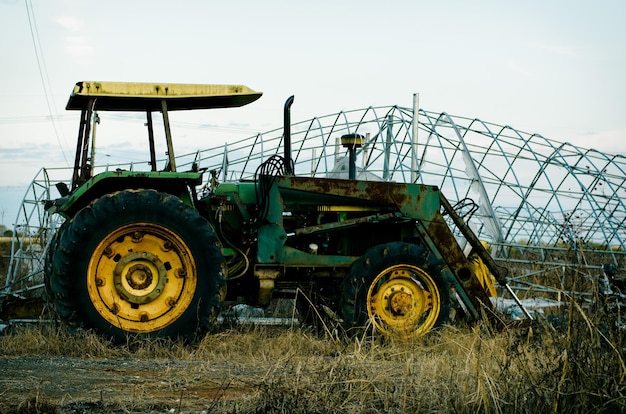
[397, 289]
[138, 262]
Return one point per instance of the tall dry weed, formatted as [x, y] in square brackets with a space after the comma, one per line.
[577, 366]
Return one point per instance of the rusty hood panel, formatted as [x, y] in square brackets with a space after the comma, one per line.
[413, 200]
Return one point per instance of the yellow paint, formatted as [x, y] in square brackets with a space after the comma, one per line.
[403, 302]
[141, 277]
[483, 275]
[136, 89]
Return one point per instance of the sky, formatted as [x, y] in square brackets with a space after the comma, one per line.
[550, 67]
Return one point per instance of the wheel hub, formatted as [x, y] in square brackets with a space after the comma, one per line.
[401, 301]
[139, 277]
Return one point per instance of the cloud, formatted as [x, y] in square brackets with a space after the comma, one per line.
[610, 141]
[71, 23]
[78, 46]
[516, 68]
[556, 49]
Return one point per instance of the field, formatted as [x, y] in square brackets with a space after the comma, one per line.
[576, 367]
[574, 363]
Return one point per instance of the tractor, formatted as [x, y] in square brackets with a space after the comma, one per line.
[161, 252]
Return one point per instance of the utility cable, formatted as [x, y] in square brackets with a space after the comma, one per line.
[43, 75]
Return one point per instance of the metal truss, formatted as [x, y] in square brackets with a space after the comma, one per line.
[531, 191]
[539, 203]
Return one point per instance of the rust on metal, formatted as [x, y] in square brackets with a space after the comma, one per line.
[413, 200]
[454, 257]
[499, 272]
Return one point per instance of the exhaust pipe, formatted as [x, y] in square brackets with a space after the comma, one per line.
[287, 133]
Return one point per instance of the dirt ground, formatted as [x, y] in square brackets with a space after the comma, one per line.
[73, 385]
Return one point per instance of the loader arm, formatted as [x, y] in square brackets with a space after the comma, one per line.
[499, 272]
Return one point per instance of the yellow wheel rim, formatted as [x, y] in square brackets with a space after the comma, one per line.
[403, 302]
[141, 277]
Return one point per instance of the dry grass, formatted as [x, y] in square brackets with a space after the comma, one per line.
[576, 367]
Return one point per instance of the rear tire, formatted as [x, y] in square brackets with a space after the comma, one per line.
[56, 300]
[397, 289]
[138, 262]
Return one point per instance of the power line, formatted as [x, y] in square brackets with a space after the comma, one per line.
[43, 73]
[30, 119]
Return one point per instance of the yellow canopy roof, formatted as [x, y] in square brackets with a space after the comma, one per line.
[134, 96]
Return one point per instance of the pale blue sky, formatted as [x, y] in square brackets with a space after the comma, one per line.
[552, 67]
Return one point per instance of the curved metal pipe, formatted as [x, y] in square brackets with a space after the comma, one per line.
[287, 133]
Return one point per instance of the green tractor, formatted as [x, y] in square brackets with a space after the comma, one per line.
[144, 253]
